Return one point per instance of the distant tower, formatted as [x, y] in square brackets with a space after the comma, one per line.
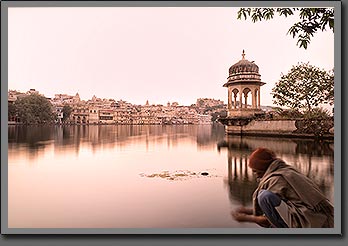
[243, 81]
[77, 98]
[147, 103]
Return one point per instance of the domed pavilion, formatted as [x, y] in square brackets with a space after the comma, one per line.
[243, 82]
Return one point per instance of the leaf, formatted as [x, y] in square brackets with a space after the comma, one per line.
[312, 20]
[331, 23]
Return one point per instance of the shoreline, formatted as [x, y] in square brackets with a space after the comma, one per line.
[283, 135]
[272, 134]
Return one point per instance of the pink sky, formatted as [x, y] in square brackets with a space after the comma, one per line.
[158, 54]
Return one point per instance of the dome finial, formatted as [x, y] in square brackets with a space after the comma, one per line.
[243, 55]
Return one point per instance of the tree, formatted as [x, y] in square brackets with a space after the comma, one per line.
[312, 20]
[281, 113]
[329, 94]
[66, 112]
[304, 87]
[34, 109]
[12, 110]
[317, 122]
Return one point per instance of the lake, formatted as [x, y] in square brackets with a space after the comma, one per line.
[142, 176]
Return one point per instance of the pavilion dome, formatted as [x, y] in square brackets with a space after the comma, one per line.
[243, 71]
[243, 66]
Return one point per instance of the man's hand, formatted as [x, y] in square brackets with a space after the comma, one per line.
[244, 215]
[244, 210]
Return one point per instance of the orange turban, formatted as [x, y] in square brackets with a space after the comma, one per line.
[261, 158]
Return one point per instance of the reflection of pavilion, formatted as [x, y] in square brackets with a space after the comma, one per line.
[311, 158]
[240, 179]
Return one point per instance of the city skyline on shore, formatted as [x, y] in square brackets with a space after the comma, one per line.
[157, 54]
[34, 90]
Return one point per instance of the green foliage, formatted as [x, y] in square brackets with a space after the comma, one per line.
[287, 113]
[12, 110]
[66, 112]
[34, 109]
[329, 91]
[317, 113]
[317, 122]
[218, 114]
[303, 88]
[312, 20]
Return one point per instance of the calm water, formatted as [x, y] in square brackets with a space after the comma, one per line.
[142, 176]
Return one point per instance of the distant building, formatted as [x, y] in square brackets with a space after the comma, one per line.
[62, 99]
[80, 114]
[32, 91]
[208, 102]
[106, 116]
[58, 110]
[110, 111]
[93, 116]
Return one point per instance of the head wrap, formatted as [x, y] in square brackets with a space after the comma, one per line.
[261, 158]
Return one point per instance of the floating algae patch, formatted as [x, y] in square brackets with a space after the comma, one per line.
[160, 175]
[179, 175]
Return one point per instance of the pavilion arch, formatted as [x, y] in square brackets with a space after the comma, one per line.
[235, 97]
[245, 95]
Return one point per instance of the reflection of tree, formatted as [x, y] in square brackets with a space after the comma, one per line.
[31, 137]
[314, 159]
[315, 148]
[317, 162]
[29, 134]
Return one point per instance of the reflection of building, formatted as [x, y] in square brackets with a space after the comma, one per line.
[313, 159]
[241, 181]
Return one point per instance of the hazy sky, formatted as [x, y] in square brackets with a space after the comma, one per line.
[158, 54]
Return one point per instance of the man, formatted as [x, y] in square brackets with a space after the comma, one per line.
[284, 198]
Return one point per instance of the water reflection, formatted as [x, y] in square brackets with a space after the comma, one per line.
[101, 136]
[113, 157]
[32, 136]
[314, 159]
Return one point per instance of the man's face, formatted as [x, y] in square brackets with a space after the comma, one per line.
[259, 174]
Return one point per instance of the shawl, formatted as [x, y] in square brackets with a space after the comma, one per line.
[307, 205]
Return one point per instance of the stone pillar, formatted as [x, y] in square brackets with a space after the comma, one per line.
[229, 98]
[246, 99]
[240, 99]
[258, 99]
[235, 100]
[253, 99]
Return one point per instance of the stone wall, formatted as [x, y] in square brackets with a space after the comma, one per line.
[265, 126]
